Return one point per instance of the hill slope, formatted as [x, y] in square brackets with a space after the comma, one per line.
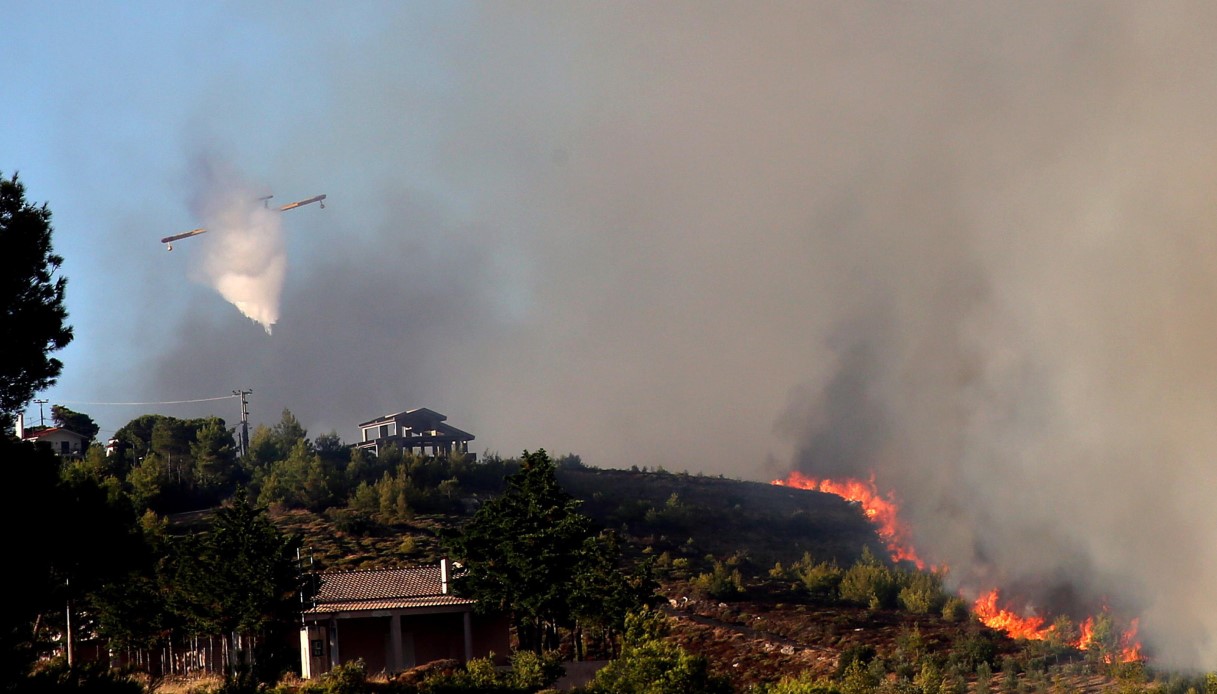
[688, 523]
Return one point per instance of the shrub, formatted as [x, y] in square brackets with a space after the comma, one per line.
[722, 583]
[854, 655]
[650, 665]
[920, 592]
[803, 683]
[345, 678]
[974, 648]
[90, 678]
[869, 583]
[478, 674]
[351, 521]
[955, 610]
[821, 579]
[532, 672]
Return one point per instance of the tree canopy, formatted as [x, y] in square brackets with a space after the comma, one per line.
[530, 552]
[80, 423]
[241, 577]
[33, 319]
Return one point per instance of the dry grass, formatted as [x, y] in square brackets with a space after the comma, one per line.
[186, 685]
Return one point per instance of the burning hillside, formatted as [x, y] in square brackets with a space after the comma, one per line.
[883, 512]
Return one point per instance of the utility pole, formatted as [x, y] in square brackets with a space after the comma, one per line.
[68, 633]
[41, 415]
[244, 442]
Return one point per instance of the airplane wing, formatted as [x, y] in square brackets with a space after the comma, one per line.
[294, 205]
[183, 235]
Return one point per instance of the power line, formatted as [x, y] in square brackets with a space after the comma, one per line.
[160, 402]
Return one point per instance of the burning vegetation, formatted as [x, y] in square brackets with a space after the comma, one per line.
[1097, 631]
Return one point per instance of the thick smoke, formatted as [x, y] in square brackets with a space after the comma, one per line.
[1027, 353]
[966, 246]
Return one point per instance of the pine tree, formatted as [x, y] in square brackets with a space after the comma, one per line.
[239, 579]
[522, 550]
[33, 320]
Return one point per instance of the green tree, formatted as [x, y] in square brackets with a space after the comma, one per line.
[286, 433]
[239, 579]
[82, 424]
[270, 445]
[521, 552]
[299, 480]
[215, 460]
[263, 451]
[148, 481]
[392, 500]
[171, 464]
[134, 439]
[33, 320]
[331, 449]
[604, 592]
[171, 439]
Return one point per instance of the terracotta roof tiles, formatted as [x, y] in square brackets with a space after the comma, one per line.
[383, 589]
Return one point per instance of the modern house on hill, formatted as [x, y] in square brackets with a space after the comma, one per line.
[418, 430]
[395, 619]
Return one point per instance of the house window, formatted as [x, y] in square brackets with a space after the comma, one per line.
[380, 432]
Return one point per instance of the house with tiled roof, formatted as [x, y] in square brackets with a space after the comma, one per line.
[395, 619]
[420, 429]
[64, 442]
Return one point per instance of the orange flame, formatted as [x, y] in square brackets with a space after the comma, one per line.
[883, 511]
[1087, 634]
[1017, 626]
[1130, 647]
[991, 615]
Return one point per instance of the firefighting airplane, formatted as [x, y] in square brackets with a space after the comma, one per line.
[168, 240]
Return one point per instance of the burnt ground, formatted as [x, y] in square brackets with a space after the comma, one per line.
[760, 641]
[755, 642]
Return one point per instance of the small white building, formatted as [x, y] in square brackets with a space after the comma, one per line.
[64, 442]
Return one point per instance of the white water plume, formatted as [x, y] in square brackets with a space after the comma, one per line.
[245, 258]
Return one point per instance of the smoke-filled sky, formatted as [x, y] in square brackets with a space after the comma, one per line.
[967, 246]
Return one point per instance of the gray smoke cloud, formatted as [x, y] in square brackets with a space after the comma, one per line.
[966, 246]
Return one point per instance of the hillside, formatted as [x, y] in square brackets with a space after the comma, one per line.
[686, 524]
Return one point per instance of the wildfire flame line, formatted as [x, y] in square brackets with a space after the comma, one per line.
[883, 512]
